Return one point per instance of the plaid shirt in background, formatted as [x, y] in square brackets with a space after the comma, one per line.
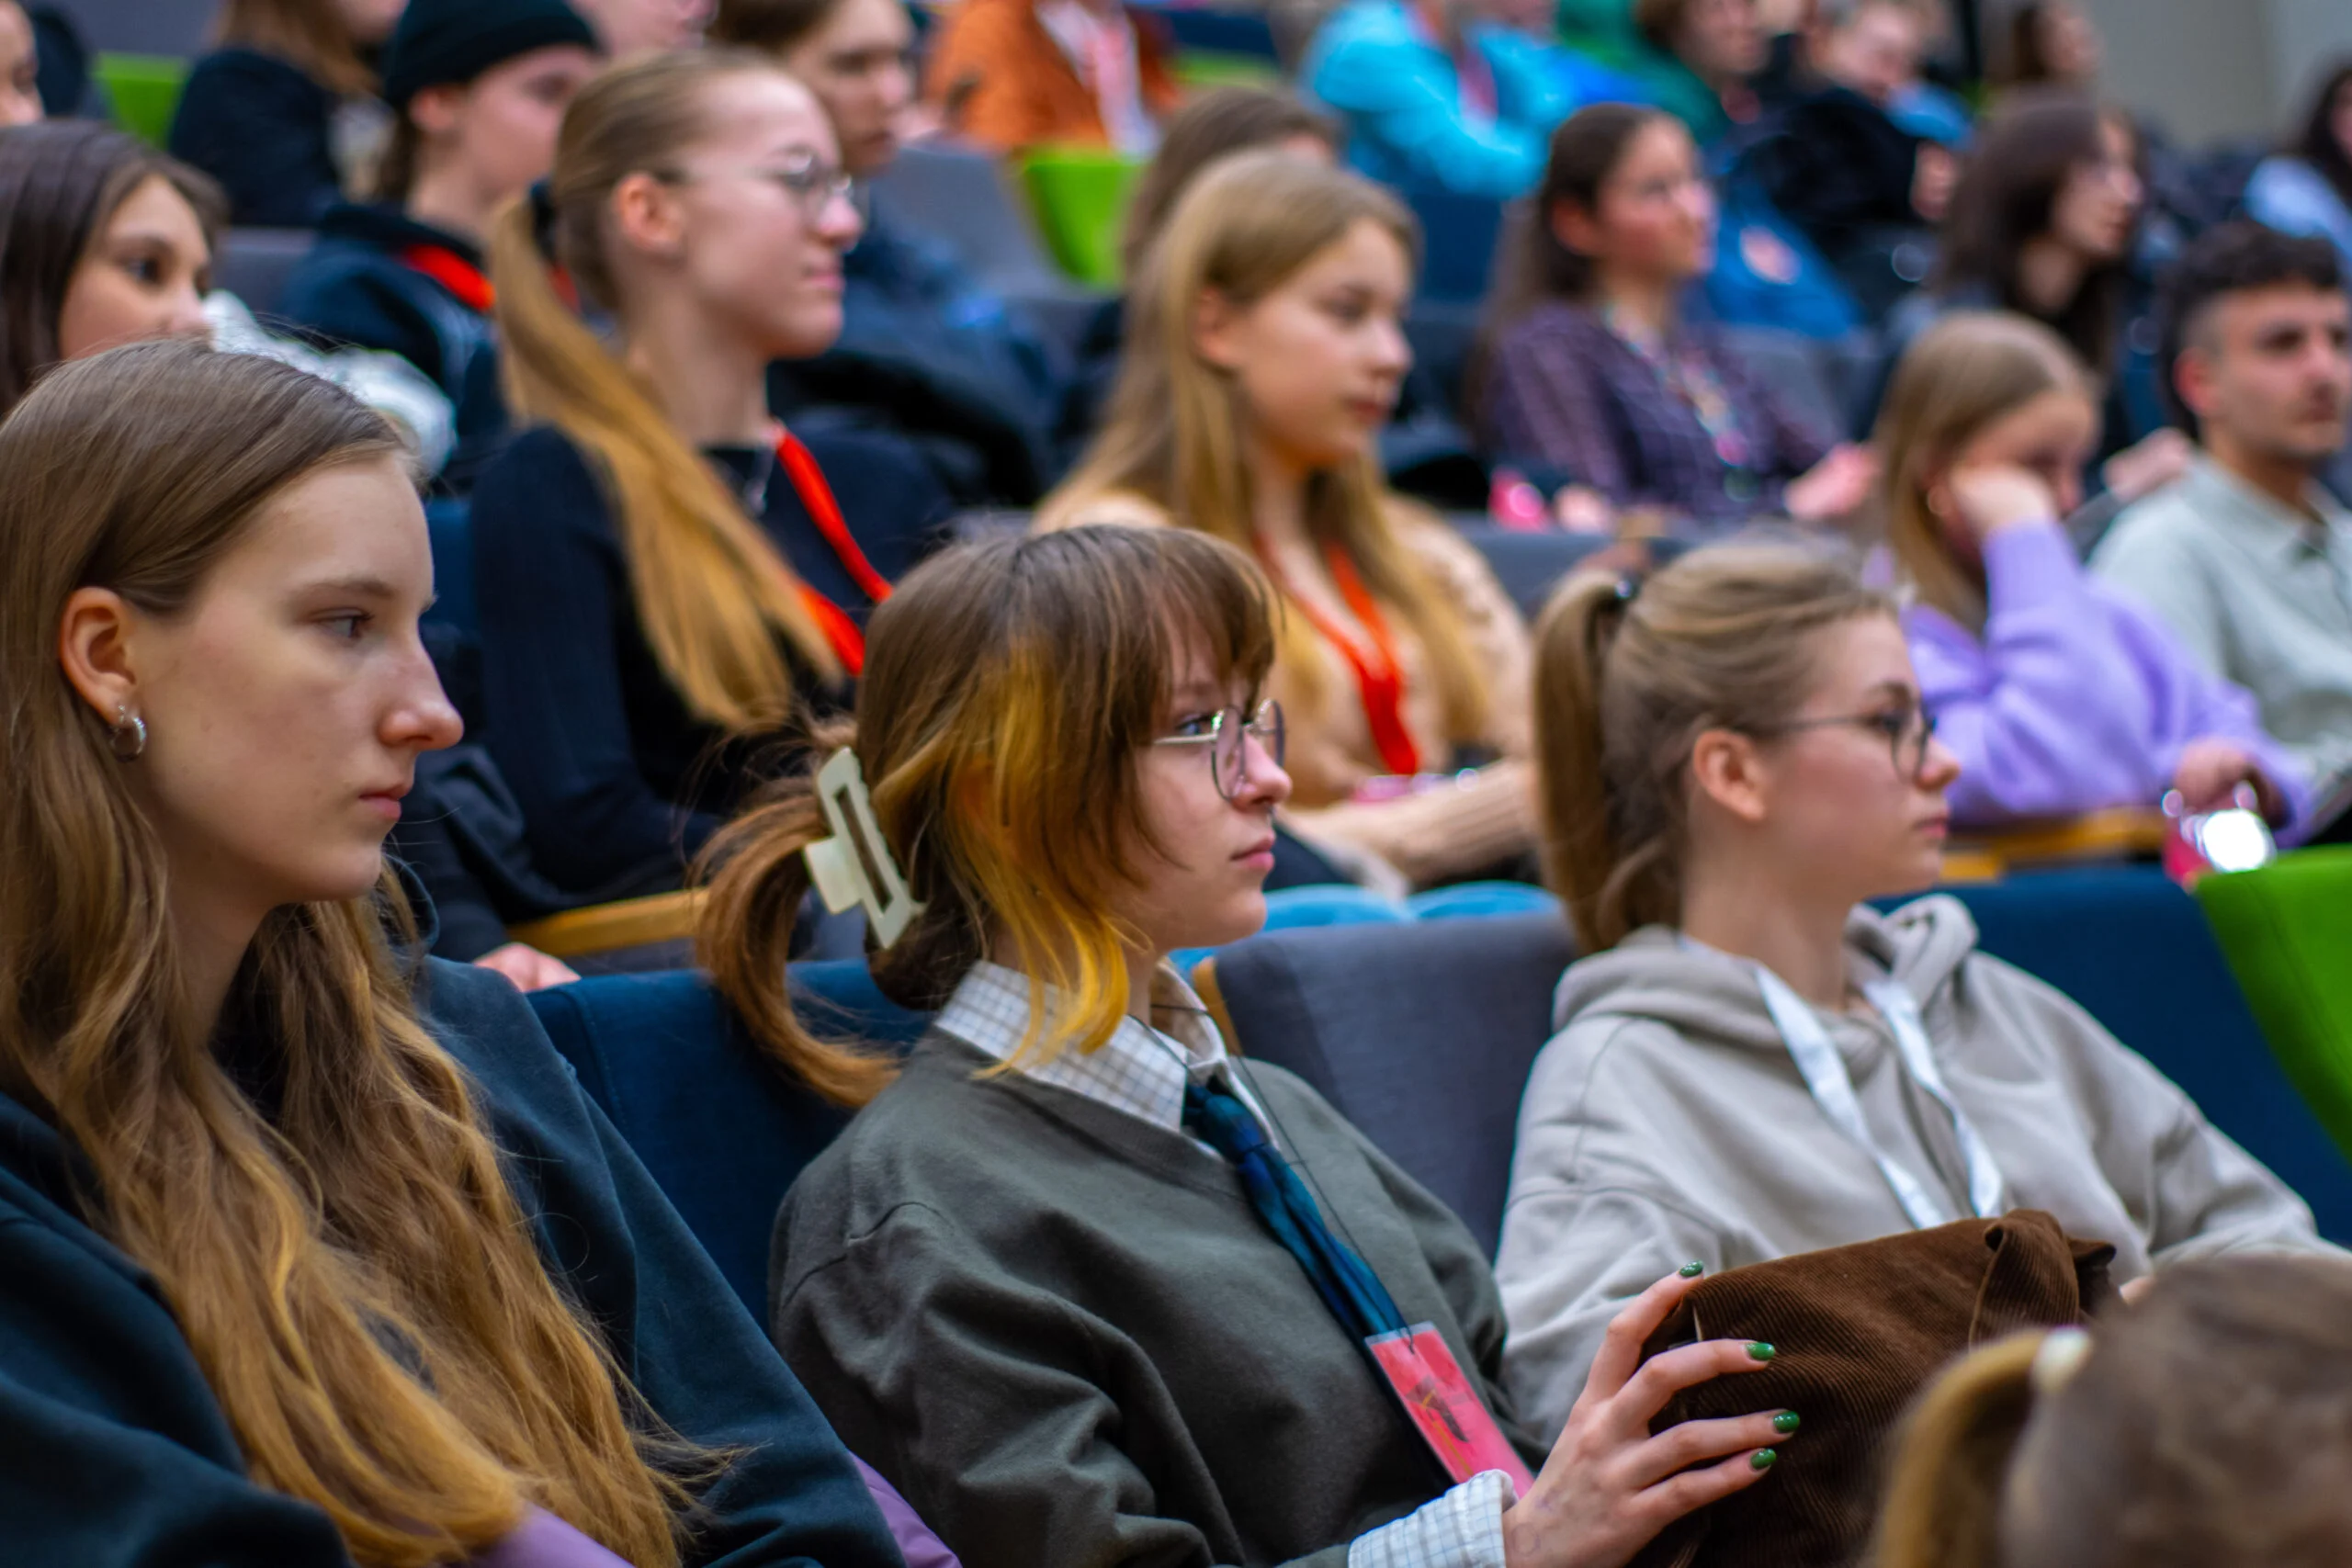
[1565, 391]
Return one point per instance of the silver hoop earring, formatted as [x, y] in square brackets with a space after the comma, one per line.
[130, 736]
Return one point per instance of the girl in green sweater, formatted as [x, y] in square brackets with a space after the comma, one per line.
[1061, 1280]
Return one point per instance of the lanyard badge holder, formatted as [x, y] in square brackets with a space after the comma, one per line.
[2235, 838]
[838, 866]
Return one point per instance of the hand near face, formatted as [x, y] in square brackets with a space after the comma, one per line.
[530, 969]
[1933, 179]
[1987, 498]
[1835, 487]
[1610, 1486]
[2147, 465]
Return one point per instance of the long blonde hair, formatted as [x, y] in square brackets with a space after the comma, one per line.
[353, 1274]
[1629, 675]
[1173, 435]
[713, 592]
[311, 34]
[1963, 373]
[2208, 1426]
[1009, 690]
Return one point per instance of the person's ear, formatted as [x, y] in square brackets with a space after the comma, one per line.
[648, 217]
[2194, 381]
[435, 111]
[1728, 769]
[1218, 330]
[94, 637]
[1574, 227]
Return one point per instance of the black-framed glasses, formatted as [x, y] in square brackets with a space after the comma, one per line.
[1908, 731]
[1226, 735]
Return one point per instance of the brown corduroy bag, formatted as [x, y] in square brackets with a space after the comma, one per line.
[1859, 1330]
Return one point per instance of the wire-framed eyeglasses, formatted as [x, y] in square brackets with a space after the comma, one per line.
[1226, 735]
[1908, 731]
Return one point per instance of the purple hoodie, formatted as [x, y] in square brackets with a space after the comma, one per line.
[2076, 699]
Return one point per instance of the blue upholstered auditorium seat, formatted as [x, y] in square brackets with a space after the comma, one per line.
[722, 1132]
[1420, 1032]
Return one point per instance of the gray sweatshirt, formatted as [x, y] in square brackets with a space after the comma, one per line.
[1666, 1122]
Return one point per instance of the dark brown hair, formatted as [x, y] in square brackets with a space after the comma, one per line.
[774, 25]
[2007, 196]
[2232, 258]
[2318, 145]
[309, 34]
[1217, 124]
[60, 181]
[1010, 688]
[2208, 1426]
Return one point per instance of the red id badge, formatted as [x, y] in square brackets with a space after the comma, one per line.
[1440, 1403]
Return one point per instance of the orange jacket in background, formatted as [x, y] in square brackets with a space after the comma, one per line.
[1005, 83]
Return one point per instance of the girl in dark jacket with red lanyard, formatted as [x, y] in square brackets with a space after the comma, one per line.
[666, 576]
[478, 88]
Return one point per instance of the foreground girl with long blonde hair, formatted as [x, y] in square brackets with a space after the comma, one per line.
[311, 1250]
[1263, 356]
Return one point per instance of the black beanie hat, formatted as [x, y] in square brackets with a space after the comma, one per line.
[457, 40]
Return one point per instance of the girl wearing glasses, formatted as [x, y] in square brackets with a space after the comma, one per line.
[1263, 358]
[666, 575]
[2057, 695]
[1037, 1282]
[1753, 1063]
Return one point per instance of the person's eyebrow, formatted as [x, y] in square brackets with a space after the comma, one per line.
[358, 585]
[1901, 690]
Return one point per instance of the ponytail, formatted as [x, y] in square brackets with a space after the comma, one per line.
[711, 590]
[1943, 1507]
[758, 879]
[1628, 676]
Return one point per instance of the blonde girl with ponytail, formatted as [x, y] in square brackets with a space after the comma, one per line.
[311, 1251]
[2209, 1426]
[1753, 1062]
[667, 577]
[1264, 354]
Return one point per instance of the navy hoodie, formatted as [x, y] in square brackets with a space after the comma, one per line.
[265, 129]
[114, 1452]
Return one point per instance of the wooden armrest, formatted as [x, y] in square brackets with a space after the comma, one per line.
[1969, 865]
[2125, 832]
[1212, 997]
[606, 928]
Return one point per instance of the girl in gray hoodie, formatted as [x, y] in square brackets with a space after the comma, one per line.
[1752, 1063]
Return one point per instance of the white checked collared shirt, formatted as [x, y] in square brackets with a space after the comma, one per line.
[1143, 1072]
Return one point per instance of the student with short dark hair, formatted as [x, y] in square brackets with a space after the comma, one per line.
[284, 113]
[477, 88]
[671, 582]
[313, 1251]
[1062, 1279]
[2244, 558]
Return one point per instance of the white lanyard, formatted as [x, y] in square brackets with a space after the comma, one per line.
[1824, 1076]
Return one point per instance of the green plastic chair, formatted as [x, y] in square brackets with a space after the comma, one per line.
[2287, 931]
[1081, 196]
[145, 91]
[1199, 69]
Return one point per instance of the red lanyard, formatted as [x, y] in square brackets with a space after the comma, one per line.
[808, 483]
[1378, 679]
[453, 273]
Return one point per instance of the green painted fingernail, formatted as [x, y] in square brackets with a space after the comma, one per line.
[1692, 1270]
[1786, 1421]
[1761, 1351]
[1762, 1458]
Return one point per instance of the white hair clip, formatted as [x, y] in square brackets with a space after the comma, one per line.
[2060, 1357]
[843, 868]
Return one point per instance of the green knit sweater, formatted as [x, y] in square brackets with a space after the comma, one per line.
[1063, 1334]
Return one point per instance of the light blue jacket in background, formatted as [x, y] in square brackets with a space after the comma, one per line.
[1374, 65]
[2295, 198]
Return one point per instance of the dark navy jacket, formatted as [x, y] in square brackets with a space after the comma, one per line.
[263, 130]
[114, 1452]
[928, 356]
[615, 777]
[357, 286]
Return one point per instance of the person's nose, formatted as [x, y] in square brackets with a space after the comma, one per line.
[421, 716]
[1264, 780]
[1939, 768]
[839, 223]
[1392, 350]
[186, 316]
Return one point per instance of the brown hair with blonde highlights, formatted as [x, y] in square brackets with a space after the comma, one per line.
[2209, 1426]
[1629, 675]
[352, 1272]
[1175, 433]
[1963, 373]
[719, 602]
[1010, 689]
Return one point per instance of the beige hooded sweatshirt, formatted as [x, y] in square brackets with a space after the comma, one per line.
[1666, 1122]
